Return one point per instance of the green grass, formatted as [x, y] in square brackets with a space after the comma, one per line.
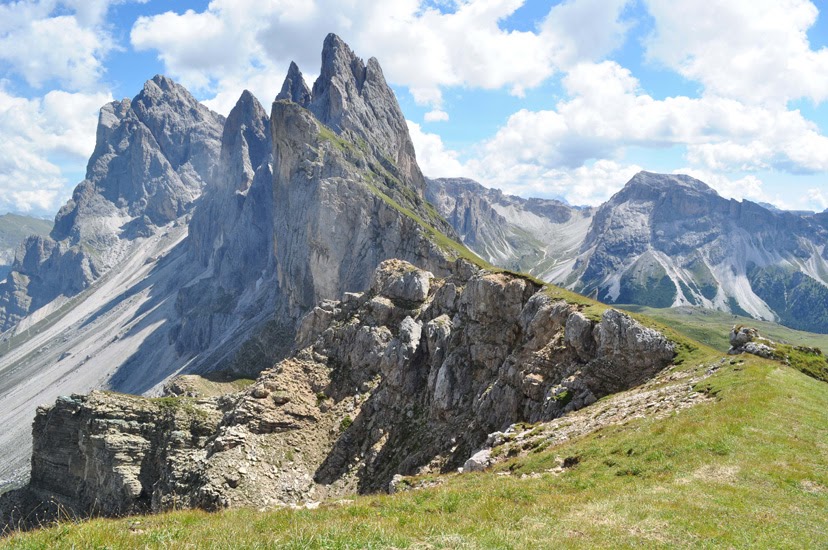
[713, 327]
[14, 228]
[747, 469]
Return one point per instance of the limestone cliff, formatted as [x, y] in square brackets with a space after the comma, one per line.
[306, 204]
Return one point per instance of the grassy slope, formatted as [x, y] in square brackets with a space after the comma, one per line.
[15, 228]
[748, 468]
[712, 327]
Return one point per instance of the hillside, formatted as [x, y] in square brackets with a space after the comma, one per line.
[711, 327]
[692, 478]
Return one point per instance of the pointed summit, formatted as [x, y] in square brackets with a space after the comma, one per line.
[353, 98]
[245, 141]
[649, 185]
[294, 87]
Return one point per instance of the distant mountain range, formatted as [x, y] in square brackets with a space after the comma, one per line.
[14, 228]
[662, 241]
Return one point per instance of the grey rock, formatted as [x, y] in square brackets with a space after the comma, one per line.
[153, 157]
[479, 461]
[294, 88]
[362, 403]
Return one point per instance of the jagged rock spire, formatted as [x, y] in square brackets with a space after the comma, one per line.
[294, 87]
[353, 98]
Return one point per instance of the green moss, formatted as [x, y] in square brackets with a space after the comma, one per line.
[448, 245]
[346, 423]
[563, 399]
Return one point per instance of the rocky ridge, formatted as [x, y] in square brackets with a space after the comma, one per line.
[410, 376]
[537, 236]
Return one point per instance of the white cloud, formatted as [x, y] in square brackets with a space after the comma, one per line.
[607, 111]
[434, 159]
[418, 46]
[436, 115]
[816, 199]
[756, 51]
[586, 30]
[38, 139]
[61, 41]
[747, 187]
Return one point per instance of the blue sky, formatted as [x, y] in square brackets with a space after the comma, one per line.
[557, 99]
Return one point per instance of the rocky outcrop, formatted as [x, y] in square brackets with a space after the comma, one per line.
[112, 454]
[352, 98]
[294, 88]
[14, 229]
[152, 158]
[409, 376]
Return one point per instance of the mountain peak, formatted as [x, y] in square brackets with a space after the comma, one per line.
[647, 185]
[336, 56]
[353, 98]
[294, 87]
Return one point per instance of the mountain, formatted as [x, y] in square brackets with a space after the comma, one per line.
[662, 241]
[14, 228]
[670, 240]
[537, 236]
[152, 158]
[197, 243]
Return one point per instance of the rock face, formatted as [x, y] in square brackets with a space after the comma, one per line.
[409, 376]
[668, 240]
[537, 236]
[309, 202]
[113, 453]
[151, 161]
[14, 229]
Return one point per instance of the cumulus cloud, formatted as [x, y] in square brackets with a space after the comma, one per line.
[756, 51]
[606, 111]
[419, 46]
[816, 198]
[435, 160]
[62, 41]
[39, 137]
[436, 115]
